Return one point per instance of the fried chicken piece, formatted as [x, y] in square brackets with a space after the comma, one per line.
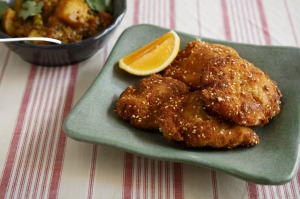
[140, 105]
[237, 90]
[189, 62]
[184, 119]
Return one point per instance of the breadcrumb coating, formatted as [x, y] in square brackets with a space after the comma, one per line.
[238, 91]
[189, 63]
[184, 119]
[208, 96]
[140, 104]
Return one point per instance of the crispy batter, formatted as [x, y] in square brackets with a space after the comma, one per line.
[189, 62]
[237, 90]
[229, 94]
[183, 119]
[140, 104]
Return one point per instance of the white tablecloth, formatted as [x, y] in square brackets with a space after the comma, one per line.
[37, 160]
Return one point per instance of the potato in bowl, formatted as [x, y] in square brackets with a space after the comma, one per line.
[77, 23]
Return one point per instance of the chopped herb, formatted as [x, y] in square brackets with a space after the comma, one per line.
[99, 5]
[3, 6]
[30, 8]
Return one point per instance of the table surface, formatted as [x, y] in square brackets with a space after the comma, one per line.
[37, 159]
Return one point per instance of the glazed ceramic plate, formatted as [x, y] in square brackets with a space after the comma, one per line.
[273, 161]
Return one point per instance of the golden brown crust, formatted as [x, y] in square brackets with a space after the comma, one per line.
[229, 94]
[237, 90]
[140, 104]
[189, 62]
[183, 119]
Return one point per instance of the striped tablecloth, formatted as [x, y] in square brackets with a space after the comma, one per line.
[37, 160]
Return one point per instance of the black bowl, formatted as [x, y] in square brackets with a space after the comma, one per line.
[66, 54]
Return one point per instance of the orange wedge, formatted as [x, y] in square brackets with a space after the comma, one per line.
[153, 57]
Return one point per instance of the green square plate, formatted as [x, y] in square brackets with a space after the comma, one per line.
[274, 161]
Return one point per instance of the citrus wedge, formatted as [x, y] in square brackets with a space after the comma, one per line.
[153, 57]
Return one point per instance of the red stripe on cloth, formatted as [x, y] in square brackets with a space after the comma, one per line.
[243, 17]
[24, 145]
[159, 178]
[14, 143]
[278, 191]
[251, 22]
[167, 178]
[37, 103]
[136, 11]
[226, 20]
[34, 133]
[4, 66]
[92, 172]
[214, 184]
[128, 176]
[297, 178]
[152, 179]
[49, 136]
[172, 14]
[60, 150]
[293, 188]
[263, 192]
[234, 34]
[62, 73]
[138, 177]
[291, 23]
[271, 191]
[38, 132]
[246, 21]
[255, 13]
[178, 181]
[237, 26]
[252, 190]
[39, 141]
[264, 23]
[145, 188]
[286, 192]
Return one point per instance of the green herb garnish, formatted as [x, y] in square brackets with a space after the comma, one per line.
[30, 8]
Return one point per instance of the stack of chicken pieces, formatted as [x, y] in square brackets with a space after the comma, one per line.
[208, 96]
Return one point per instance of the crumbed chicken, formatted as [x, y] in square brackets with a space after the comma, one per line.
[185, 120]
[140, 104]
[189, 62]
[238, 91]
